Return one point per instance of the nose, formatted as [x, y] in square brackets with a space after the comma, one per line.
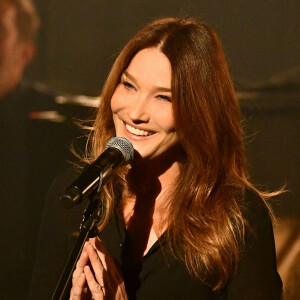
[138, 111]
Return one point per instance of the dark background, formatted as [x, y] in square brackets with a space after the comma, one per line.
[79, 39]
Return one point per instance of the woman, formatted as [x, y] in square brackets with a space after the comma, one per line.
[183, 221]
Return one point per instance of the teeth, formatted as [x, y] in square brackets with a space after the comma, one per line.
[137, 131]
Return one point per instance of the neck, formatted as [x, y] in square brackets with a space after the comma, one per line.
[144, 205]
[153, 175]
[150, 182]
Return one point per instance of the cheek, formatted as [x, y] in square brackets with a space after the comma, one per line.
[164, 117]
[116, 100]
[113, 103]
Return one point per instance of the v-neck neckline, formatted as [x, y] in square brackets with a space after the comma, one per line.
[125, 234]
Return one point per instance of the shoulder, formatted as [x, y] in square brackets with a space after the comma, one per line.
[258, 226]
[255, 210]
[256, 276]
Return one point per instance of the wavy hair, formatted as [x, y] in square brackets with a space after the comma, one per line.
[206, 227]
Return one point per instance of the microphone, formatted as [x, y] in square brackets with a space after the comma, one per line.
[119, 151]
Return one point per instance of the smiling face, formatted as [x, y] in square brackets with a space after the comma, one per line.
[141, 104]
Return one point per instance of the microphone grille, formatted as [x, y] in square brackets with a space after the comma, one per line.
[124, 146]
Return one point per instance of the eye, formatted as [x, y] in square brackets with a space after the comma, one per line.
[164, 98]
[127, 85]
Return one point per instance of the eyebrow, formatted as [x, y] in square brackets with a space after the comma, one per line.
[158, 88]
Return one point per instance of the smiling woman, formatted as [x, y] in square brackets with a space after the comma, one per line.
[186, 222]
[141, 106]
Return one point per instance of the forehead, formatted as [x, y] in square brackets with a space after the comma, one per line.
[152, 66]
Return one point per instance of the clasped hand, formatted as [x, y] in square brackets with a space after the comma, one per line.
[96, 275]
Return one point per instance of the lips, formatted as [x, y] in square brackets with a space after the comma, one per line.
[138, 132]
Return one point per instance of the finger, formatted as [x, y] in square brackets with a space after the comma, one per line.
[83, 259]
[96, 263]
[81, 263]
[101, 250]
[97, 290]
[78, 287]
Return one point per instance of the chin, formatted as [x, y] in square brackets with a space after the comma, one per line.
[141, 152]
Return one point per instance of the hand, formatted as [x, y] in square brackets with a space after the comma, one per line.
[79, 286]
[101, 280]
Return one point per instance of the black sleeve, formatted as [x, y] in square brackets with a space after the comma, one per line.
[56, 238]
[257, 276]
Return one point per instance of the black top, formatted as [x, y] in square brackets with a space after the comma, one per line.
[157, 275]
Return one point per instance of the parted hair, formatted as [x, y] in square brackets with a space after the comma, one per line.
[206, 227]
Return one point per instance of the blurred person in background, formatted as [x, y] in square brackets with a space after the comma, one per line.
[18, 27]
[27, 150]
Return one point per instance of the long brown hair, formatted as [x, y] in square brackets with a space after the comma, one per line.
[206, 227]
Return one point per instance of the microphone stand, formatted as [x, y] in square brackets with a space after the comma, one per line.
[88, 228]
[119, 150]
